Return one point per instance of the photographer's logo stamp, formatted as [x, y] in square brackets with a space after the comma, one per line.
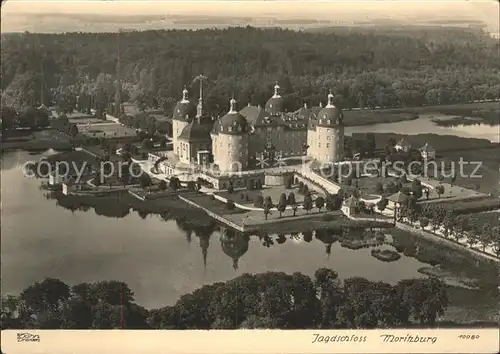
[28, 337]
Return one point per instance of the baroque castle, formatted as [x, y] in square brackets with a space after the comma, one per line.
[240, 138]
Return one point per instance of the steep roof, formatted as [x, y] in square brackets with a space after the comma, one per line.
[255, 116]
[196, 131]
[403, 143]
[350, 202]
[398, 197]
[427, 148]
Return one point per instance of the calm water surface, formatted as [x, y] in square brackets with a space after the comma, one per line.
[424, 125]
[40, 239]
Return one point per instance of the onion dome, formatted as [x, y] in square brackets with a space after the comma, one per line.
[275, 104]
[330, 115]
[184, 109]
[234, 245]
[233, 122]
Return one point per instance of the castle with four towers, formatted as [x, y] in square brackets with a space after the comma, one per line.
[241, 137]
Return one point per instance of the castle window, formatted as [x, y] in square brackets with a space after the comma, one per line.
[328, 138]
[327, 145]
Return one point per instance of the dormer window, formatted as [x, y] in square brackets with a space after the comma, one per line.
[329, 121]
[230, 129]
[238, 128]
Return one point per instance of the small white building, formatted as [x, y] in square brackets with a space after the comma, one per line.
[427, 152]
[403, 145]
[349, 206]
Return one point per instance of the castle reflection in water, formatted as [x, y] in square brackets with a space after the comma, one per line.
[235, 244]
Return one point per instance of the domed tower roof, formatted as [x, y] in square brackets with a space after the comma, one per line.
[327, 237]
[233, 122]
[184, 110]
[234, 246]
[330, 115]
[275, 104]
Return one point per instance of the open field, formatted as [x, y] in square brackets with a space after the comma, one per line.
[453, 149]
[441, 143]
[106, 130]
[488, 174]
[392, 115]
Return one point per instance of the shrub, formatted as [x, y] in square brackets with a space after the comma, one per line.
[258, 201]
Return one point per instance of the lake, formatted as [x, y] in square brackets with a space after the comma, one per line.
[41, 239]
[424, 125]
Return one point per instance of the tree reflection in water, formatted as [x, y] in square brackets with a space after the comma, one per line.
[234, 244]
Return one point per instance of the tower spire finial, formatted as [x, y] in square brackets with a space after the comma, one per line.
[330, 99]
[276, 89]
[185, 94]
[232, 105]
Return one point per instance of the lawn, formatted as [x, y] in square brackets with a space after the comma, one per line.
[368, 185]
[489, 174]
[214, 205]
[441, 143]
[110, 130]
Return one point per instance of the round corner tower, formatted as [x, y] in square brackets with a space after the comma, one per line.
[330, 133]
[231, 141]
[182, 115]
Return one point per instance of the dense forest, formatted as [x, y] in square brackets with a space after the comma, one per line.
[362, 69]
[267, 300]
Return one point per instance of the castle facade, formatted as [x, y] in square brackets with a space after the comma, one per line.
[241, 138]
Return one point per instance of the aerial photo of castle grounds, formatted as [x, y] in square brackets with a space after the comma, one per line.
[249, 171]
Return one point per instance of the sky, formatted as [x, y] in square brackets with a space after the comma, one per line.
[488, 11]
